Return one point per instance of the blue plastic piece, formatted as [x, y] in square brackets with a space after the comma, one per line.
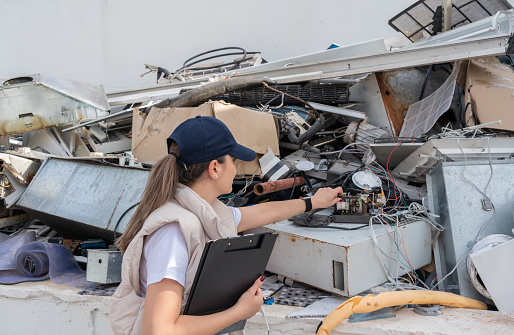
[269, 301]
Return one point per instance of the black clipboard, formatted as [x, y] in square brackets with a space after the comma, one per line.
[227, 268]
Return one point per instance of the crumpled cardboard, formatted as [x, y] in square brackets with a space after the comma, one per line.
[490, 87]
[255, 130]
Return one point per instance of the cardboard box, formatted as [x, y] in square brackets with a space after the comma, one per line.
[255, 130]
[490, 87]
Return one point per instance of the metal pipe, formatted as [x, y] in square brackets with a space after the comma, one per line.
[317, 126]
[210, 90]
[277, 185]
[304, 146]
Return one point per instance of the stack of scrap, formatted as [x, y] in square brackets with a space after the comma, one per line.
[420, 144]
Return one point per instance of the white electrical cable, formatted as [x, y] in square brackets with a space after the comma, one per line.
[413, 211]
[420, 212]
[486, 186]
[448, 132]
[342, 150]
[453, 270]
[394, 280]
[377, 249]
[248, 182]
[463, 257]
[466, 165]
[265, 319]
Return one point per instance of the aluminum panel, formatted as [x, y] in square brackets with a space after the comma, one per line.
[80, 199]
[460, 211]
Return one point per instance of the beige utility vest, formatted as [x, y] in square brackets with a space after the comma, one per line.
[198, 221]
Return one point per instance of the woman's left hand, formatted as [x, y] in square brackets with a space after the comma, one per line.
[326, 197]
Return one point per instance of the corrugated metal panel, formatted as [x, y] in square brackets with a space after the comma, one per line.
[83, 200]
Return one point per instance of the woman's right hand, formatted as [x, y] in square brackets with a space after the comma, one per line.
[251, 301]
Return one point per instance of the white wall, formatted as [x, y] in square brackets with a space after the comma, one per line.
[107, 41]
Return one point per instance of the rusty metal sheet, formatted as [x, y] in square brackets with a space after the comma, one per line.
[39, 101]
[22, 169]
[12, 220]
[13, 171]
[401, 88]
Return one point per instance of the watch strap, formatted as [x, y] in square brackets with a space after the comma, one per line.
[308, 204]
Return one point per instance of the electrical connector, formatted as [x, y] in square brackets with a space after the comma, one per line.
[381, 199]
[487, 205]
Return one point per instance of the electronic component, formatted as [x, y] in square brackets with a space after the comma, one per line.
[487, 205]
[357, 208]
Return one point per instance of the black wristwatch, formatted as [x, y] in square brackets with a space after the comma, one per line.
[308, 204]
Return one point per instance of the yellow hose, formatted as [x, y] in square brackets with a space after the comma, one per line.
[372, 303]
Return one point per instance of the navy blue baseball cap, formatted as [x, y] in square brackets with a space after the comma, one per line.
[205, 138]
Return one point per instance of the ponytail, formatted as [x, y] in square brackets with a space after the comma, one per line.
[161, 188]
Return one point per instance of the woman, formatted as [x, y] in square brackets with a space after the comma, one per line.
[178, 213]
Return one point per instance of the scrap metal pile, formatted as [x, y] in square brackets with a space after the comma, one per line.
[408, 135]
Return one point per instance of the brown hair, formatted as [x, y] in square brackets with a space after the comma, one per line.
[161, 188]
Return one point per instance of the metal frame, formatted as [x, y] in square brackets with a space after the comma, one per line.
[403, 58]
[424, 27]
[372, 62]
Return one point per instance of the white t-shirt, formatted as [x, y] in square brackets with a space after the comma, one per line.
[165, 255]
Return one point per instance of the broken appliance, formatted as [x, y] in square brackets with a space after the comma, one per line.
[346, 262]
[41, 101]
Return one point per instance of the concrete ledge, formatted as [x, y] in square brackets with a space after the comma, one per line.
[47, 308]
[452, 321]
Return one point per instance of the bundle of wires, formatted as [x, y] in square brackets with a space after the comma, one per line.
[390, 218]
[398, 207]
[468, 132]
[396, 198]
[241, 192]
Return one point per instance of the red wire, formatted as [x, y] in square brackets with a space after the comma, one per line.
[387, 167]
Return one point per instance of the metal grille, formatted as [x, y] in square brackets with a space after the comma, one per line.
[299, 296]
[325, 94]
[420, 19]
